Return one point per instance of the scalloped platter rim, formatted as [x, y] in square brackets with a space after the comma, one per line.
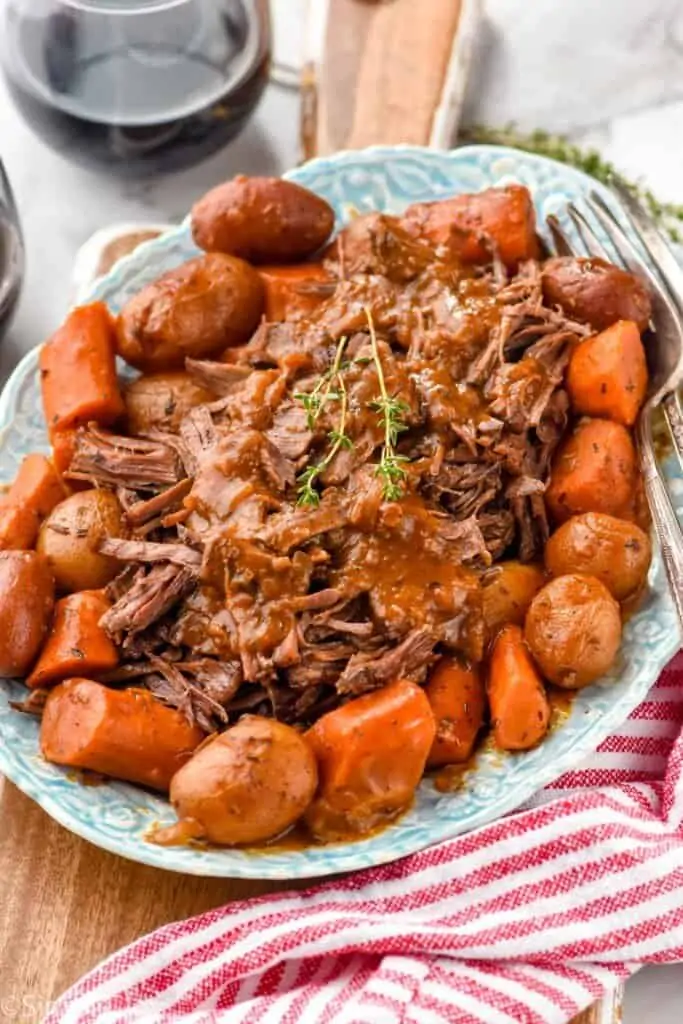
[116, 816]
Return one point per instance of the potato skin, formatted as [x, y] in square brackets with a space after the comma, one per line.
[263, 220]
[248, 784]
[27, 592]
[69, 537]
[595, 291]
[197, 309]
[160, 401]
[616, 552]
[573, 630]
[508, 590]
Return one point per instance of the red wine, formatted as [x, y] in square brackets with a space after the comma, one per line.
[136, 87]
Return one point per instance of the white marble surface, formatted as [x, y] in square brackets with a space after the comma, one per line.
[607, 72]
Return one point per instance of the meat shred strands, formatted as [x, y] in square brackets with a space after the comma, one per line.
[406, 661]
[198, 689]
[134, 463]
[459, 422]
[146, 551]
[148, 598]
[140, 512]
[221, 378]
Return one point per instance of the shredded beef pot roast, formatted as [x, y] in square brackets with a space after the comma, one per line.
[281, 561]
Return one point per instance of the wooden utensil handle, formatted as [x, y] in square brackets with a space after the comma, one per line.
[386, 72]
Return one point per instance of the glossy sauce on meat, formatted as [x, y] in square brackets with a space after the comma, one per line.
[315, 602]
[407, 591]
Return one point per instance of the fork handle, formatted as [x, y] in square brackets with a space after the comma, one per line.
[667, 528]
[674, 419]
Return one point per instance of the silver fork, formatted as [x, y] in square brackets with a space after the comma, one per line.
[669, 278]
[665, 363]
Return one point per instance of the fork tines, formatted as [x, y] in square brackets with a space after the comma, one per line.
[625, 235]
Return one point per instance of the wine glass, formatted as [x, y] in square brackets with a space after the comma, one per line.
[136, 86]
[11, 253]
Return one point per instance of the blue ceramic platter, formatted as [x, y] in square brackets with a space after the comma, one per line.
[116, 816]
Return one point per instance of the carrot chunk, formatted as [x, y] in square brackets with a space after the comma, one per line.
[78, 371]
[457, 698]
[36, 490]
[19, 527]
[519, 706]
[291, 291]
[594, 470]
[27, 597]
[371, 755]
[607, 374]
[126, 734]
[505, 215]
[63, 449]
[77, 643]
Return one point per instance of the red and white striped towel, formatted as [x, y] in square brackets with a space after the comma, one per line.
[525, 921]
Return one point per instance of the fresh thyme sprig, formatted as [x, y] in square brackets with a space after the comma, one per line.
[390, 468]
[669, 216]
[314, 401]
[307, 493]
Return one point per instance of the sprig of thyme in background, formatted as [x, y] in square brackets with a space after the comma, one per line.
[314, 401]
[306, 493]
[390, 467]
[669, 216]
